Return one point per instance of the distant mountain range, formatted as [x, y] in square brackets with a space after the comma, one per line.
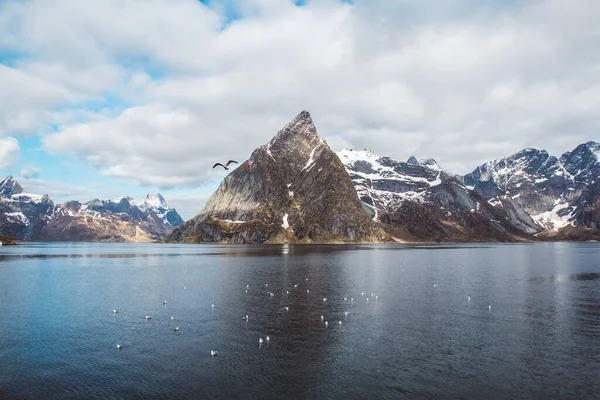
[561, 194]
[295, 189]
[26, 216]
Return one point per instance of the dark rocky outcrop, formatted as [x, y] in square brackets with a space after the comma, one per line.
[6, 241]
[294, 189]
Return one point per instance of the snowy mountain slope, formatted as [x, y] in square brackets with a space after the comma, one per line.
[35, 217]
[558, 193]
[417, 200]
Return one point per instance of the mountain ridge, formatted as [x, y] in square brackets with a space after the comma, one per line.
[27, 216]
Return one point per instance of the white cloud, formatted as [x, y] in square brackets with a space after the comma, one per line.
[57, 191]
[463, 82]
[187, 205]
[9, 151]
[30, 172]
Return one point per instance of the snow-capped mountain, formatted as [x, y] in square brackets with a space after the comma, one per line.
[419, 201]
[557, 193]
[383, 184]
[28, 216]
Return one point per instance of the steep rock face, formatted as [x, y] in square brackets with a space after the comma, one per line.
[293, 189]
[557, 193]
[417, 200]
[28, 216]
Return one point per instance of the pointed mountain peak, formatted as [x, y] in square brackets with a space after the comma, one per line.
[430, 163]
[426, 162]
[10, 186]
[155, 199]
[301, 127]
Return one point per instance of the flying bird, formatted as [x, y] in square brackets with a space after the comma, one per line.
[225, 166]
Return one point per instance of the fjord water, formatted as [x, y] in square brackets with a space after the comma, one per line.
[417, 336]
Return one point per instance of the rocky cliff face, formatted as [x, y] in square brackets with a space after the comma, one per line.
[26, 216]
[417, 200]
[561, 194]
[294, 189]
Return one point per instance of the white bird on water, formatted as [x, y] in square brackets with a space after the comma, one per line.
[490, 308]
[340, 322]
[307, 291]
[172, 317]
[435, 285]
[268, 339]
[213, 353]
[176, 329]
[115, 311]
[271, 294]
[326, 324]
[119, 346]
[212, 305]
[286, 308]
[345, 298]
[324, 299]
[246, 318]
[321, 318]
[345, 313]
[164, 302]
[147, 317]
[469, 298]
[296, 285]
[260, 340]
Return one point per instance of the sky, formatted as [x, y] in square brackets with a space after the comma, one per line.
[107, 98]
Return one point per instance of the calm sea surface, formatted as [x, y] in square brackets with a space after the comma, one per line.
[410, 332]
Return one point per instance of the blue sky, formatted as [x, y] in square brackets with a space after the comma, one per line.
[107, 99]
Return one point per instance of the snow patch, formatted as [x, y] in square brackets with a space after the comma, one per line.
[34, 198]
[437, 181]
[19, 216]
[349, 156]
[311, 161]
[495, 202]
[551, 219]
[285, 224]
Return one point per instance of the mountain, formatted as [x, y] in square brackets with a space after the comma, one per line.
[26, 216]
[294, 189]
[416, 200]
[561, 194]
